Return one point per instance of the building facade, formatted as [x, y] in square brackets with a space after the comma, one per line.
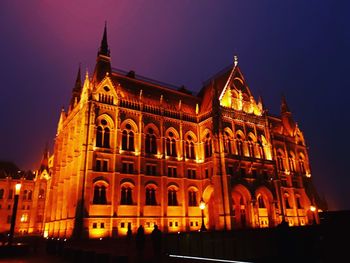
[131, 151]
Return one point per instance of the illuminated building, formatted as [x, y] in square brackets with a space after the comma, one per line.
[32, 196]
[130, 150]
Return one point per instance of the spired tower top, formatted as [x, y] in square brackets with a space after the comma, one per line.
[104, 44]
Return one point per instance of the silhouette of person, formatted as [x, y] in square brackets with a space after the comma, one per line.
[156, 236]
[140, 241]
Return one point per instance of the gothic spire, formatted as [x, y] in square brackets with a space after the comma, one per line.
[76, 92]
[104, 44]
[284, 105]
[44, 164]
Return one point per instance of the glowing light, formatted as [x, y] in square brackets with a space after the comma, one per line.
[18, 188]
[308, 175]
[46, 234]
[312, 208]
[202, 205]
[100, 238]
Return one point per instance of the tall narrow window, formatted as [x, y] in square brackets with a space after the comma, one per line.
[41, 194]
[189, 148]
[100, 195]
[30, 195]
[24, 197]
[151, 142]
[299, 206]
[1, 193]
[106, 138]
[280, 162]
[10, 194]
[99, 136]
[291, 163]
[192, 198]
[251, 147]
[126, 196]
[151, 196]
[227, 143]
[172, 200]
[239, 144]
[171, 145]
[261, 202]
[286, 200]
[207, 146]
[128, 139]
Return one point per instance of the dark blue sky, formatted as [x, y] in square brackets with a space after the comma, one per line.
[296, 48]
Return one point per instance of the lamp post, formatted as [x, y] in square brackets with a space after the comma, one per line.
[14, 212]
[313, 210]
[202, 207]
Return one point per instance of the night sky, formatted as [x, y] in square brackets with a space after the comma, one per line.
[296, 48]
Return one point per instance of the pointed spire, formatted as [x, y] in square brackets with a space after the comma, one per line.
[76, 92]
[284, 105]
[78, 80]
[44, 164]
[104, 44]
[235, 60]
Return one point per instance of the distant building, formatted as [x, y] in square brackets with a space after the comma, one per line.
[32, 197]
[130, 150]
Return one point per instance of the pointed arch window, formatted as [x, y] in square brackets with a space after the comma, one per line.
[103, 135]
[189, 148]
[172, 199]
[251, 147]
[280, 161]
[128, 139]
[151, 196]
[239, 144]
[151, 142]
[207, 146]
[171, 145]
[106, 138]
[126, 196]
[302, 165]
[261, 202]
[99, 136]
[261, 149]
[192, 198]
[100, 197]
[227, 143]
[291, 163]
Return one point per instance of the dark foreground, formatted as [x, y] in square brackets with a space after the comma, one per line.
[319, 243]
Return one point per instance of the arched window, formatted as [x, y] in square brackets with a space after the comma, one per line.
[151, 142]
[126, 196]
[106, 138]
[171, 145]
[207, 146]
[291, 163]
[128, 139]
[41, 194]
[151, 196]
[280, 164]
[286, 200]
[227, 143]
[251, 146]
[99, 137]
[301, 165]
[261, 148]
[239, 144]
[100, 195]
[172, 199]
[1, 193]
[261, 202]
[189, 148]
[103, 135]
[192, 198]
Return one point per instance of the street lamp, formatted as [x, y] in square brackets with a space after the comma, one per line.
[14, 212]
[202, 207]
[313, 210]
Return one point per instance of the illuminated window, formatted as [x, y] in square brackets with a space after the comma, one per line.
[189, 148]
[172, 199]
[192, 198]
[151, 196]
[100, 195]
[171, 145]
[128, 139]
[239, 145]
[251, 143]
[1, 193]
[126, 196]
[207, 146]
[24, 218]
[151, 142]
[291, 161]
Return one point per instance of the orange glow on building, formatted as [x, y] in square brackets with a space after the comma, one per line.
[130, 151]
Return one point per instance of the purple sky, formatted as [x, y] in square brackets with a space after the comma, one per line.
[298, 48]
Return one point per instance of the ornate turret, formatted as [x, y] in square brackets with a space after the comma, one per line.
[287, 119]
[103, 62]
